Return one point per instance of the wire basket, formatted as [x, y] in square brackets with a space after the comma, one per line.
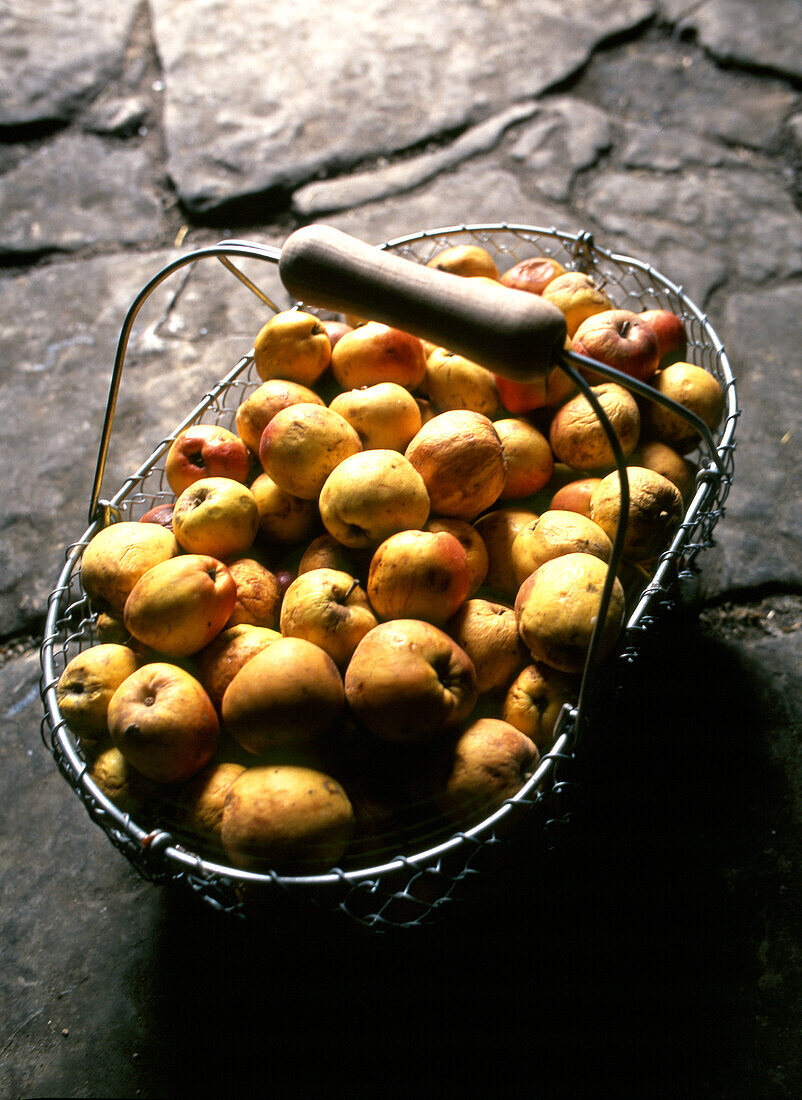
[403, 879]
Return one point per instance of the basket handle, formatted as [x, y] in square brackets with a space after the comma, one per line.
[98, 510]
[516, 335]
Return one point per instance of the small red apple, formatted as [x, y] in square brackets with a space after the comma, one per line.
[672, 340]
[206, 450]
[621, 339]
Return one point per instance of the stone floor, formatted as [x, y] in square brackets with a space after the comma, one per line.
[660, 952]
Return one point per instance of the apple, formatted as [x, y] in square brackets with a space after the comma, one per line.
[408, 681]
[283, 518]
[216, 516]
[129, 790]
[327, 552]
[258, 594]
[292, 345]
[696, 390]
[530, 462]
[655, 511]
[286, 696]
[472, 544]
[575, 495]
[117, 556]
[577, 296]
[468, 260]
[534, 701]
[336, 329]
[454, 382]
[418, 575]
[86, 686]
[532, 275]
[205, 450]
[200, 803]
[461, 460]
[286, 818]
[258, 409]
[554, 533]
[488, 633]
[163, 723]
[179, 605]
[523, 397]
[576, 434]
[498, 530]
[374, 353]
[557, 607]
[331, 609]
[620, 339]
[371, 495]
[385, 416]
[669, 328]
[487, 763]
[220, 661]
[302, 445]
[160, 513]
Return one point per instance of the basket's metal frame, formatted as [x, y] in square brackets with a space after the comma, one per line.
[403, 889]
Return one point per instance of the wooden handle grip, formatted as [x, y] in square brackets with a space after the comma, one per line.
[510, 332]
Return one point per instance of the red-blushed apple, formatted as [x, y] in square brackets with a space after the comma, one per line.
[216, 516]
[533, 274]
[161, 514]
[669, 328]
[498, 530]
[575, 495]
[335, 330]
[331, 609]
[620, 339]
[286, 696]
[163, 723]
[418, 575]
[472, 544]
[292, 345]
[302, 444]
[461, 460]
[205, 450]
[523, 397]
[374, 353]
[408, 681]
[179, 605]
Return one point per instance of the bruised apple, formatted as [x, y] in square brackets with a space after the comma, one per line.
[488, 633]
[418, 575]
[205, 450]
[533, 274]
[329, 608]
[408, 681]
[576, 434]
[179, 605]
[163, 723]
[117, 556]
[258, 594]
[461, 460]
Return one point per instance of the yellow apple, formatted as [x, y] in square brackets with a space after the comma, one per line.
[385, 416]
[87, 684]
[331, 609]
[294, 346]
[216, 516]
[118, 556]
[302, 444]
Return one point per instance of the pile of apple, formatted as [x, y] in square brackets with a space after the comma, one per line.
[365, 602]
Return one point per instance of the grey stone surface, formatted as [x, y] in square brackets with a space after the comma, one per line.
[282, 97]
[56, 56]
[764, 35]
[79, 190]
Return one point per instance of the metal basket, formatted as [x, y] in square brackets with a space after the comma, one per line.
[406, 879]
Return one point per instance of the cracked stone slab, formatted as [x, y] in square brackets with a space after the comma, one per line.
[56, 378]
[288, 93]
[53, 57]
[761, 535]
[764, 35]
[77, 190]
